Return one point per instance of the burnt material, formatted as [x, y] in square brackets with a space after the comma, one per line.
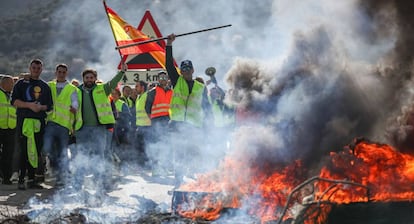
[180, 198]
[372, 213]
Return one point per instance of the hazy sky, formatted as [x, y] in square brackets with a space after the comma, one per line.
[323, 68]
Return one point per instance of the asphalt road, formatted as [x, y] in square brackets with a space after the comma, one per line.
[133, 192]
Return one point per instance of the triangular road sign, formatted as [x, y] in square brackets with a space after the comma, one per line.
[148, 26]
[143, 63]
[146, 61]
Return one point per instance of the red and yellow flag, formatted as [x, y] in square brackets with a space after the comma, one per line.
[125, 34]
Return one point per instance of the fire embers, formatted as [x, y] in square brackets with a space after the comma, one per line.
[366, 173]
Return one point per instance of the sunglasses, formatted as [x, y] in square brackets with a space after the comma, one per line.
[163, 78]
[185, 69]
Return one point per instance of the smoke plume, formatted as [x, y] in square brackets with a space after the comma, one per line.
[308, 76]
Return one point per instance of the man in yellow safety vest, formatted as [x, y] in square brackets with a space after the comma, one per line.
[190, 110]
[96, 119]
[60, 122]
[7, 128]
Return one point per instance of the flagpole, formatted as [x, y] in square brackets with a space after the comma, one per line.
[112, 29]
[164, 38]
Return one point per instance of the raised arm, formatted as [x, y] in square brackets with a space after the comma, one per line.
[111, 85]
[169, 60]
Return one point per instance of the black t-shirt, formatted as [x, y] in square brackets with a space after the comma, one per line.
[32, 91]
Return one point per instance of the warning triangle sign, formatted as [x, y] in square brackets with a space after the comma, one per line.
[145, 61]
[148, 26]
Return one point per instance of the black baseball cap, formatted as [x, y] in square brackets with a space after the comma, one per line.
[186, 65]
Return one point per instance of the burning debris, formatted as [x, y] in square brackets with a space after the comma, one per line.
[327, 90]
[368, 174]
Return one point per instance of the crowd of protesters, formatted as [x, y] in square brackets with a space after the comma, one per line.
[40, 120]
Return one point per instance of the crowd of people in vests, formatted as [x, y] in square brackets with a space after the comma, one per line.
[40, 120]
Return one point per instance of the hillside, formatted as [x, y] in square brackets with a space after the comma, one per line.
[26, 32]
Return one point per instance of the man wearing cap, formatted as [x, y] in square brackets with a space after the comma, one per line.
[189, 95]
[189, 111]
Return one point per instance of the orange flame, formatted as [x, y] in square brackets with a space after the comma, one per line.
[368, 172]
[387, 173]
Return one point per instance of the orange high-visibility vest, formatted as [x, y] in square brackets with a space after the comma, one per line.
[161, 103]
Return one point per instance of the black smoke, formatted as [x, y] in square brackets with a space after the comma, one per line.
[326, 91]
[399, 68]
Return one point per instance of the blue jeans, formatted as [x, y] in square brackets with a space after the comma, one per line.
[55, 143]
[92, 156]
[94, 140]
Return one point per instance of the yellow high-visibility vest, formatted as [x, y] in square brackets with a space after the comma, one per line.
[61, 105]
[7, 112]
[185, 106]
[102, 105]
[220, 118]
[118, 105]
[142, 118]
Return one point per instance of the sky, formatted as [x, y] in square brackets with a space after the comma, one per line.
[251, 34]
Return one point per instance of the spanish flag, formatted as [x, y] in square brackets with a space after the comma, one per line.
[127, 34]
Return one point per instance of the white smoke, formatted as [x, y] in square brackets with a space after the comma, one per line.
[306, 69]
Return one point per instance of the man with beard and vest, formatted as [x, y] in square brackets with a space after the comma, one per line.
[32, 98]
[7, 128]
[60, 122]
[189, 110]
[93, 139]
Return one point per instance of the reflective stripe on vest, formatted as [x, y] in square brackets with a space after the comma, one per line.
[61, 105]
[103, 106]
[161, 105]
[187, 107]
[142, 118]
[7, 113]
